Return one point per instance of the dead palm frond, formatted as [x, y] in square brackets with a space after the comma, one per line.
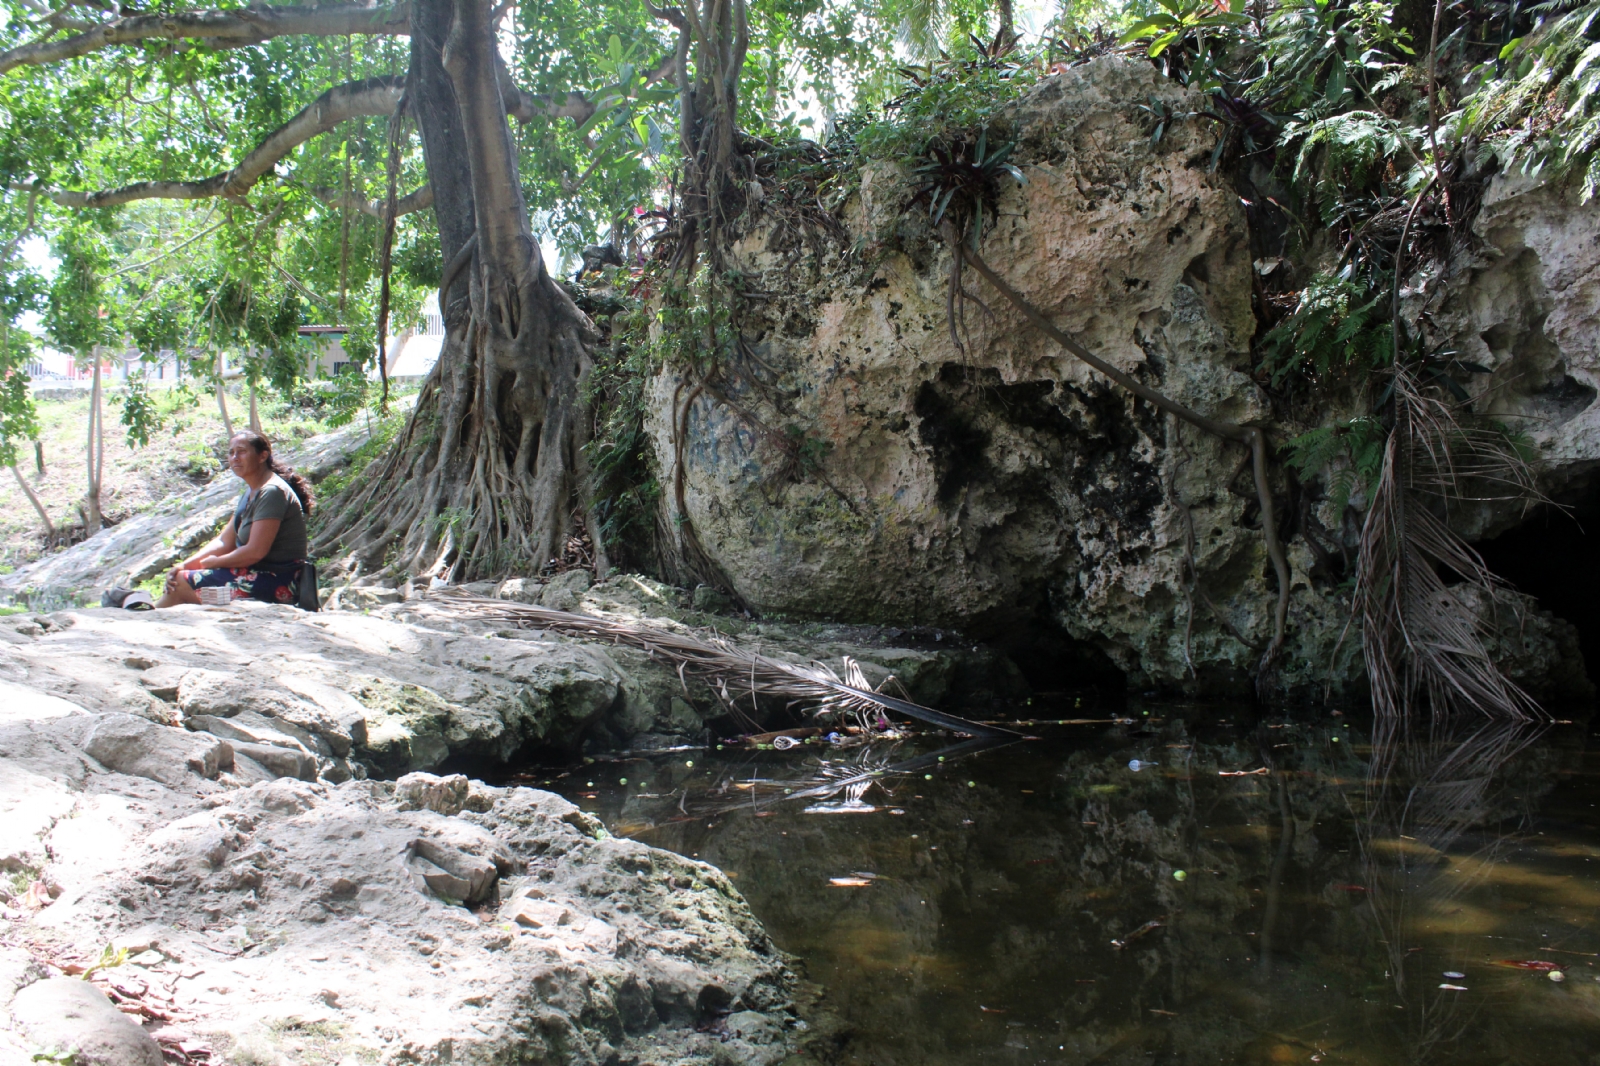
[1421, 637]
[727, 669]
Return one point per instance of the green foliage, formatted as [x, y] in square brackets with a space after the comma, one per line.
[56, 1057]
[1320, 55]
[383, 432]
[808, 449]
[1351, 452]
[943, 103]
[19, 418]
[141, 415]
[1336, 156]
[346, 395]
[1538, 109]
[77, 317]
[1338, 325]
[1190, 37]
[964, 177]
[624, 487]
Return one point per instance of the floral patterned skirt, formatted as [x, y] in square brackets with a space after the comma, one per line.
[268, 582]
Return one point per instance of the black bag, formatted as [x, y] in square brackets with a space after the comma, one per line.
[306, 589]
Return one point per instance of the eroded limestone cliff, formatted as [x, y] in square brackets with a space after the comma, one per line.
[999, 484]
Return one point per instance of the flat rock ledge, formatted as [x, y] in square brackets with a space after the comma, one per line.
[163, 902]
[395, 687]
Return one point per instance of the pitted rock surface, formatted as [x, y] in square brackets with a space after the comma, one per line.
[288, 921]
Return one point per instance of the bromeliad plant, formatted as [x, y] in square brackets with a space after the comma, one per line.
[964, 174]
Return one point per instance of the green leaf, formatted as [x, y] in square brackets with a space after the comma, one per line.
[1160, 44]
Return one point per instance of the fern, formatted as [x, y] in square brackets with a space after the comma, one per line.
[1344, 151]
[1337, 324]
[1351, 452]
[1541, 111]
[1319, 53]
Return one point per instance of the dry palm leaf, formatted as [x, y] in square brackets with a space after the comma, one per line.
[1420, 637]
[725, 667]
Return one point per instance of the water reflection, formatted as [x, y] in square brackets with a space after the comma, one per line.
[1161, 891]
[1437, 821]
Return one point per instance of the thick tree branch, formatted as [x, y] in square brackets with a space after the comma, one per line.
[372, 96]
[419, 200]
[240, 26]
[525, 106]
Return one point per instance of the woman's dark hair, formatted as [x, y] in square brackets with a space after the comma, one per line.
[263, 446]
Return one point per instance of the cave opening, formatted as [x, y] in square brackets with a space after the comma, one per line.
[1554, 556]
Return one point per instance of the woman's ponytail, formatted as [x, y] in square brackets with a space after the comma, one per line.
[302, 487]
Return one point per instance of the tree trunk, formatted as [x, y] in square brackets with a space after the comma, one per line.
[1007, 34]
[96, 452]
[33, 498]
[222, 407]
[38, 456]
[489, 473]
[255, 418]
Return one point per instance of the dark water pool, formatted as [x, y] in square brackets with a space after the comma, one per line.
[1132, 893]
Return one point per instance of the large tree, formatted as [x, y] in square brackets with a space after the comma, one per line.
[487, 473]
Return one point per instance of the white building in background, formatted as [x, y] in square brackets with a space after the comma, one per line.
[54, 369]
[330, 357]
[411, 352]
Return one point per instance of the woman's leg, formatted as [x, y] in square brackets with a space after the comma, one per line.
[178, 591]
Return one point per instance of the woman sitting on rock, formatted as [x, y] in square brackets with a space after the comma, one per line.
[260, 553]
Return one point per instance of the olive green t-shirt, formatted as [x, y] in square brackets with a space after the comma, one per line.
[277, 500]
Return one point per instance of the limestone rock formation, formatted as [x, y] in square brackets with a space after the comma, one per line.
[265, 691]
[1524, 301]
[1004, 482]
[439, 920]
[1001, 484]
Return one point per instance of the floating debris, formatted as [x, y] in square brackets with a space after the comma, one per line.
[1538, 965]
[1244, 773]
[842, 807]
[1148, 927]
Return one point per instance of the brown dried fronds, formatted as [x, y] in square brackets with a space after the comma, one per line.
[1422, 640]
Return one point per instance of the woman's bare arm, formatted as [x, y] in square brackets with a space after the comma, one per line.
[263, 531]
